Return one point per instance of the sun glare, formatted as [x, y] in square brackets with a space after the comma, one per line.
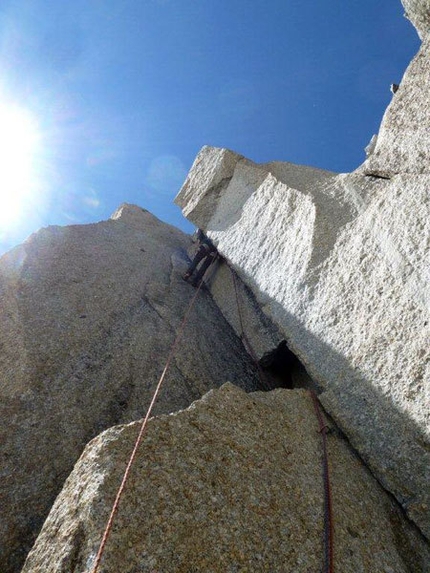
[18, 147]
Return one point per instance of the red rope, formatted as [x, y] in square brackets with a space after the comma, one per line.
[328, 528]
[115, 506]
[328, 512]
[328, 509]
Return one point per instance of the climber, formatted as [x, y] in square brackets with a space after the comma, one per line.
[206, 253]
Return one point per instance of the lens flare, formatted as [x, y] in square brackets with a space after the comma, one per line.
[19, 141]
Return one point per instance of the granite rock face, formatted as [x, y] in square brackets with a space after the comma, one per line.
[233, 483]
[340, 264]
[418, 12]
[403, 143]
[88, 314]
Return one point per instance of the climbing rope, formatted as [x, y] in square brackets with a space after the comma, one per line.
[328, 518]
[328, 528]
[328, 510]
[263, 379]
[143, 425]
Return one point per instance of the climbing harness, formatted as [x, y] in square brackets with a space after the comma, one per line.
[143, 425]
[328, 510]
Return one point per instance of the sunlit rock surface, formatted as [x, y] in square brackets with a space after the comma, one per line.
[336, 264]
[403, 143]
[340, 264]
[418, 12]
[88, 314]
[234, 483]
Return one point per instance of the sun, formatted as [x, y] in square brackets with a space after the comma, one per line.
[19, 142]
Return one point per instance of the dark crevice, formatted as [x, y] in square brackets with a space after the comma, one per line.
[378, 176]
[282, 369]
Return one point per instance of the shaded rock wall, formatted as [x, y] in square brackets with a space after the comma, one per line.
[233, 483]
[88, 315]
[259, 334]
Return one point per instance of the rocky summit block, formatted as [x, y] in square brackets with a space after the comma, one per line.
[233, 483]
[88, 314]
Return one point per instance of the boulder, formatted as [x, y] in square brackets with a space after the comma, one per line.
[88, 315]
[340, 264]
[233, 483]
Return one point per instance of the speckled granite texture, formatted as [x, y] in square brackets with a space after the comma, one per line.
[88, 314]
[340, 264]
[232, 484]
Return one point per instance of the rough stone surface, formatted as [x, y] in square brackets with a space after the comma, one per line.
[260, 335]
[88, 315]
[340, 264]
[418, 12]
[242, 310]
[403, 144]
[234, 483]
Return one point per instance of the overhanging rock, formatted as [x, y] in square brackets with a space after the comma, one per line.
[338, 263]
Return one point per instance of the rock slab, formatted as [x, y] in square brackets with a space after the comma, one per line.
[233, 483]
[340, 264]
[403, 142]
[88, 314]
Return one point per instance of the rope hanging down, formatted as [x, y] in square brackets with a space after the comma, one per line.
[115, 506]
[328, 528]
[328, 518]
[328, 510]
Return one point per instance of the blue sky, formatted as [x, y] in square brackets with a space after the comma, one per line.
[124, 93]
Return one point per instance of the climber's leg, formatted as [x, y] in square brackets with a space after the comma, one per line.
[201, 253]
